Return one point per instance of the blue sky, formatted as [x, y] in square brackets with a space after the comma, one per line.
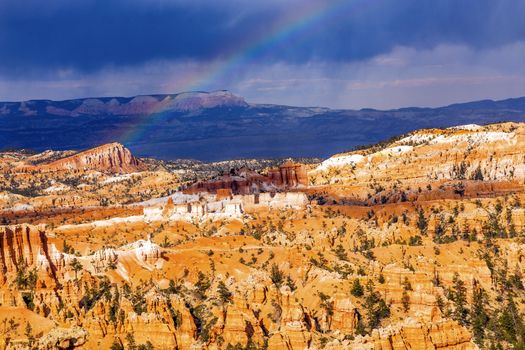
[340, 54]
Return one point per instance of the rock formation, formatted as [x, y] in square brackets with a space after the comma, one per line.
[111, 158]
[63, 338]
[412, 334]
[108, 158]
[287, 176]
[400, 246]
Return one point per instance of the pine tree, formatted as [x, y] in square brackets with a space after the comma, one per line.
[276, 276]
[375, 306]
[147, 346]
[290, 283]
[357, 288]
[478, 174]
[405, 298]
[459, 297]
[28, 332]
[405, 301]
[224, 294]
[341, 253]
[478, 315]
[326, 303]
[76, 266]
[510, 325]
[406, 284]
[422, 223]
[203, 284]
[131, 342]
[117, 345]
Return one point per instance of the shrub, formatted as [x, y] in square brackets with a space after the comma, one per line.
[357, 288]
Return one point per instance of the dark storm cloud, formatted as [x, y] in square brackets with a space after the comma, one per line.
[87, 35]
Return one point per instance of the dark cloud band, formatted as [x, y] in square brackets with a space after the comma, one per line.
[87, 35]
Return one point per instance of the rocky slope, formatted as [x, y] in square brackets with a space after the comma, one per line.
[56, 181]
[456, 159]
[403, 245]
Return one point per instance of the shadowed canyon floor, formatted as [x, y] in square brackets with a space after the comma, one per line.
[414, 243]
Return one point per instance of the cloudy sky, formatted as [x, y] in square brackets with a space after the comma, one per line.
[334, 53]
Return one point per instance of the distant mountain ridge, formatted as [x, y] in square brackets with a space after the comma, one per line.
[220, 125]
[142, 104]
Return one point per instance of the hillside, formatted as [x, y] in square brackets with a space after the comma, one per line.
[471, 155]
[414, 243]
[219, 125]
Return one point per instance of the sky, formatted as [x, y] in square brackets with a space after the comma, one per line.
[332, 53]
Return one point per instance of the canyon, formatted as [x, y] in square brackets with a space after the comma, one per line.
[417, 242]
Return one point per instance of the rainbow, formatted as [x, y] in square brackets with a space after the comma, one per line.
[291, 26]
[298, 22]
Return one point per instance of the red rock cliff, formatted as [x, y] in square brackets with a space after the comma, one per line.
[111, 157]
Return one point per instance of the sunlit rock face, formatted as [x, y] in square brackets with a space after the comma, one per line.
[387, 248]
[460, 151]
[26, 247]
[287, 176]
[110, 158]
